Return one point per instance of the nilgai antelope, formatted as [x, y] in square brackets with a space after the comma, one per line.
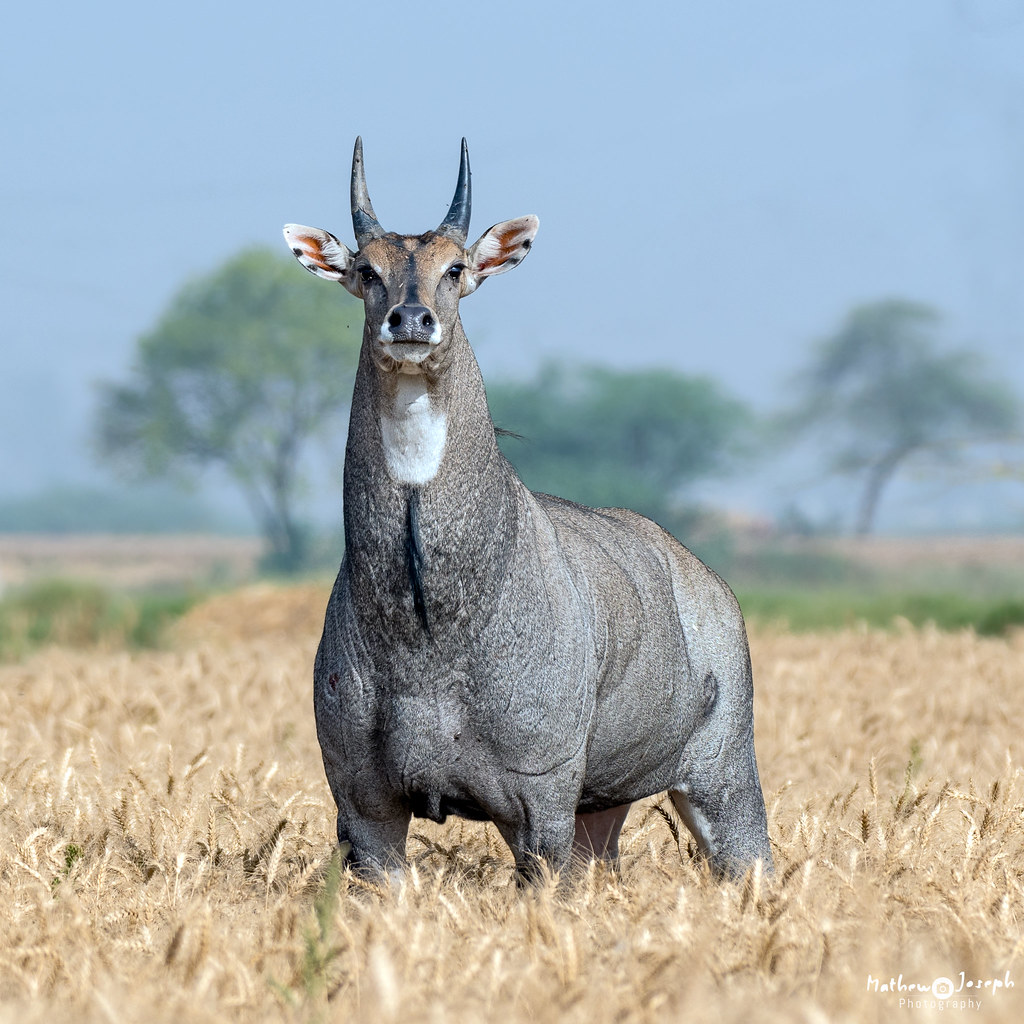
[494, 653]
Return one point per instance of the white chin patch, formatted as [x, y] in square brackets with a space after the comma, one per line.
[407, 356]
[414, 433]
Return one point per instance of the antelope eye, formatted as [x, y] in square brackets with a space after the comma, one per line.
[455, 271]
[367, 275]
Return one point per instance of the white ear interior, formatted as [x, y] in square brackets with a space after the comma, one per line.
[318, 251]
[503, 246]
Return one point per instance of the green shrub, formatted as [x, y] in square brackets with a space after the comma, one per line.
[1002, 617]
[811, 608]
[76, 614]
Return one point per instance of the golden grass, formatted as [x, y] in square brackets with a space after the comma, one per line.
[166, 838]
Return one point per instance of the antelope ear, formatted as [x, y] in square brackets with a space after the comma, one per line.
[499, 249]
[321, 254]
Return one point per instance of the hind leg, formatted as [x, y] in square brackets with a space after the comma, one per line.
[597, 834]
[720, 802]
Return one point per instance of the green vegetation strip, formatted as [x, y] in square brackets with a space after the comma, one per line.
[74, 614]
[814, 608]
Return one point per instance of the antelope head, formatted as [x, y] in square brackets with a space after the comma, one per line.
[411, 284]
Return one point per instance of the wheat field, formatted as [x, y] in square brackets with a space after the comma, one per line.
[165, 851]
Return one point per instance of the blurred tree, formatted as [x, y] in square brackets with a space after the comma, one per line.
[606, 438]
[880, 390]
[246, 366]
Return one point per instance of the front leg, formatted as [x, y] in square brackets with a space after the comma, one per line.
[376, 848]
[538, 839]
[372, 819]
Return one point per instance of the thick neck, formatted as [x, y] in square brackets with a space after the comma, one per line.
[428, 430]
[422, 456]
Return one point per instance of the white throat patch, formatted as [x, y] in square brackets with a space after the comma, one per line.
[414, 433]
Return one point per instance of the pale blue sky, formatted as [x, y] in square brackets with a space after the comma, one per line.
[716, 183]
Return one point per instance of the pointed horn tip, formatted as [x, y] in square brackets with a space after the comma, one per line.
[456, 223]
[364, 220]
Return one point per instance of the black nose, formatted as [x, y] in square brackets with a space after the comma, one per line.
[409, 322]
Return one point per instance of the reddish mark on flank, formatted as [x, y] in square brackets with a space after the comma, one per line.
[332, 681]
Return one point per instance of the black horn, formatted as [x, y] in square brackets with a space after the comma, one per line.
[456, 224]
[364, 220]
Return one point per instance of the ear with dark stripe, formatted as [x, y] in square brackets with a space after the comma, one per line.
[321, 254]
[499, 249]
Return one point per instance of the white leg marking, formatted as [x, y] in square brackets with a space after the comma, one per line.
[695, 821]
[414, 433]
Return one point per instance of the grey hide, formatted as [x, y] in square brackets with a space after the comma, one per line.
[498, 654]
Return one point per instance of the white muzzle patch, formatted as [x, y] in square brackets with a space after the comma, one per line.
[388, 338]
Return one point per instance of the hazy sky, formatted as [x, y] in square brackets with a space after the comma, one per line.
[717, 183]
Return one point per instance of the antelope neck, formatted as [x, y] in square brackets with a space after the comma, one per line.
[414, 430]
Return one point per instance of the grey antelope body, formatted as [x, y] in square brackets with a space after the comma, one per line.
[494, 653]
